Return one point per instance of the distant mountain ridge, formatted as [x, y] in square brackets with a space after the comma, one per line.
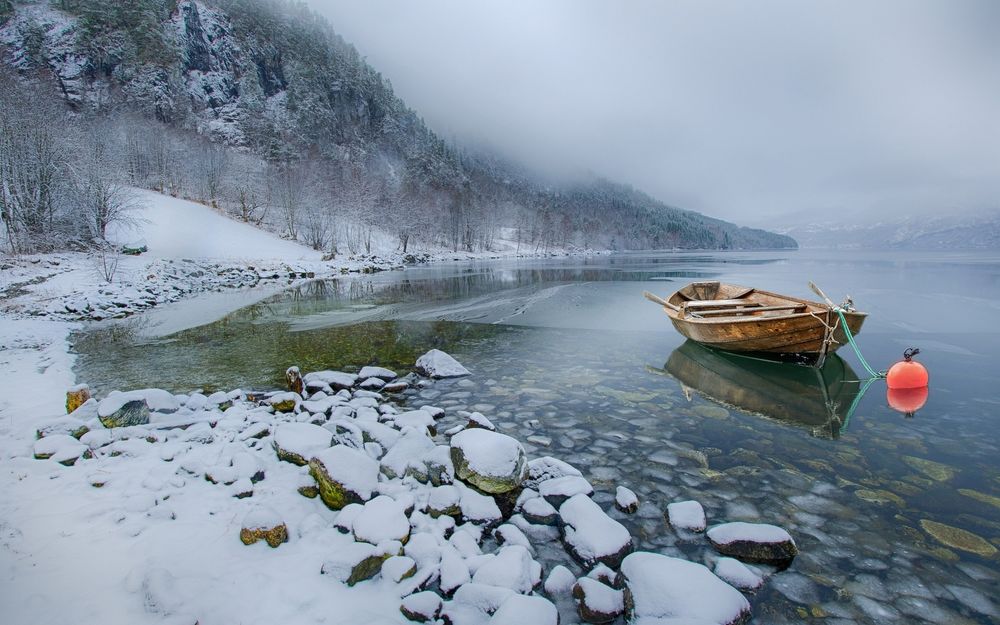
[271, 78]
[945, 232]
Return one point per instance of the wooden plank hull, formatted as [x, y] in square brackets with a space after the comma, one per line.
[765, 323]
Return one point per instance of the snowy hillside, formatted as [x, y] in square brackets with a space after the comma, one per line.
[175, 228]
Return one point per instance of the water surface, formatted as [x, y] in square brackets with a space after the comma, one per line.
[568, 357]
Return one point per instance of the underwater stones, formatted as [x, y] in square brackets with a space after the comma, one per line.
[298, 442]
[263, 524]
[626, 500]
[980, 497]
[753, 542]
[934, 470]
[880, 497]
[344, 476]
[686, 515]
[494, 463]
[661, 587]
[437, 364]
[592, 536]
[596, 602]
[76, 397]
[957, 538]
[421, 607]
[710, 411]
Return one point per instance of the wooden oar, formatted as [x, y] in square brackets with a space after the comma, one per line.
[818, 291]
[659, 300]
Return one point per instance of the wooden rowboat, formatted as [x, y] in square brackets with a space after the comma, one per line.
[742, 319]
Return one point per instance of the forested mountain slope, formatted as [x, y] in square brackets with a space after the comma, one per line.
[259, 108]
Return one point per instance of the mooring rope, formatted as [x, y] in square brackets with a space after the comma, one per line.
[857, 350]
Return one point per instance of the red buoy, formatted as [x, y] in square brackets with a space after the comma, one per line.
[907, 373]
[907, 400]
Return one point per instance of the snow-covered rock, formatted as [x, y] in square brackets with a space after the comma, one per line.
[336, 380]
[626, 500]
[477, 507]
[512, 567]
[539, 511]
[591, 535]
[559, 489]
[123, 410]
[547, 468]
[521, 610]
[61, 448]
[407, 455]
[77, 396]
[415, 419]
[421, 607]
[661, 587]
[437, 364]
[284, 402]
[355, 562]
[753, 542]
[559, 581]
[377, 372]
[444, 500]
[738, 574]
[263, 523]
[686, 515]
[381, 519]
[596, 602]
[492, 462]
[344, 475]
[398, 568]
[298, 442]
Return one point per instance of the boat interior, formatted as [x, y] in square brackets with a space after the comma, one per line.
[715, 300]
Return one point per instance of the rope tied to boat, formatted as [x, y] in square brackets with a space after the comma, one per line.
[857, 350]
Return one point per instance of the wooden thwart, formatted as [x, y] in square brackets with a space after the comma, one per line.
[749, 310]
[720, 303]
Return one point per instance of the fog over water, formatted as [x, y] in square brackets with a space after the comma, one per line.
[746, 111]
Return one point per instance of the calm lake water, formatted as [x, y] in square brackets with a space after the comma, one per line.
[897, 517]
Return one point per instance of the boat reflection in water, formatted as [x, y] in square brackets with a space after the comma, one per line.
[819, 400]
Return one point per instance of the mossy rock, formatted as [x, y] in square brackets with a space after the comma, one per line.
[76, 397]
[367, 568]
[957, 538]
[272, 536]
[135, 412]
[935, 470]
[312, 492]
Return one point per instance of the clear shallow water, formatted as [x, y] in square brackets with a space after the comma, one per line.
[568, 357]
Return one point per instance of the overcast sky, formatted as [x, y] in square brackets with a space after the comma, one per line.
[741, 110]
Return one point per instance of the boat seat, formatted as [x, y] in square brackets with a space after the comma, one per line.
[719, 303]
[753, 309]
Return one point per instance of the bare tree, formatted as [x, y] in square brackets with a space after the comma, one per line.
[99, 184]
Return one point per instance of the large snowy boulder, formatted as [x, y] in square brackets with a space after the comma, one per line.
[559, 489]
[377, 372]
[591, 535]
[61, 448]
[494, 463]
[548, 468]
[661, 587]
[123, 410]
[753, 542]
[336, 380]
[437, 364]
[356, 562]
[421, 607]
[344, 476]
[298, 442]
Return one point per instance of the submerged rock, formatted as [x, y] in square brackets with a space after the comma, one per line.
[661, 587]
[958, 538]
[494, 463]
[753, 542]
[437, 364]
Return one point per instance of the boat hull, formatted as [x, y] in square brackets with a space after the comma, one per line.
[747, 320]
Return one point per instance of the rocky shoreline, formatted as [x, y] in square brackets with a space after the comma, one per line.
[444, 508]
